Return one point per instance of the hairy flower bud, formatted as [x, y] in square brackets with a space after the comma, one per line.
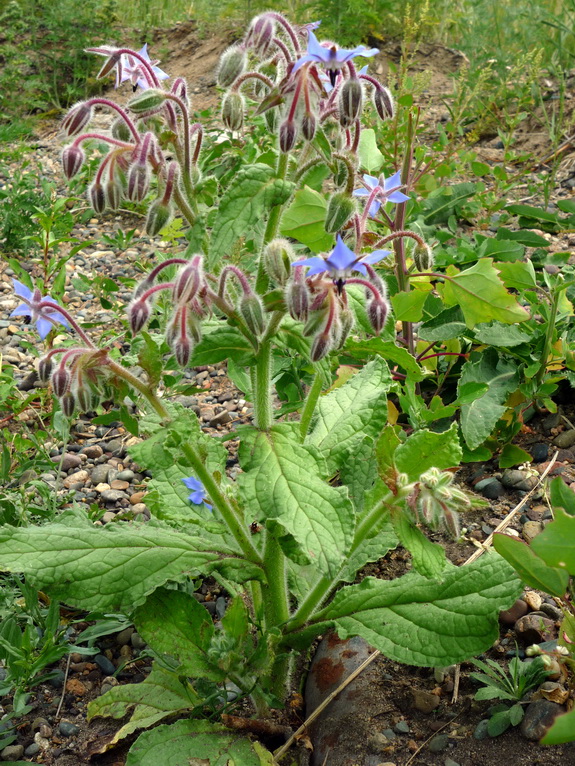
[288, 135]
[271, 118]
[278, 256]
[423, 257]
[114, 193]
[251, 310]
[297, 300]
[138, 314]
[45, 369]
[68, 404]
[159, 215]
[72, 160]
[60, 381]
[346, 322]
[233, 110]
[232, 65]
[315, 321]
[308, 126]
[180, 89]
[76, 119]
[182, 348]
[187, 281]
[341, 173]
[340, 209]
[120, 130]
[97, 197]
[383, 103]
[261, 33]
[138, 182]
[84, 398]
[148, 100]
[320, 347]
[350, 101]
[377, 313]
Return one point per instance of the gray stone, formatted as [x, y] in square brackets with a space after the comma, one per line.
[126, 475]
[402, 727]
[124, 636]
[12, 752]
[565, 439]
[389, 734]
[481, 730]
[69, 461]
[438, 743]
[105, 665]
[450, 762]
[530, 530]
[68, 729]
[534, 628]
[490, 488]
[93, 451]
[424, 700]
[220, 419]
[511, 615]
[32, 749]
[116, 447]
[540, 452]
[113, 495]
[137, 641]
[100, 474]
[538, 718]
[552, 611]
[518, 480]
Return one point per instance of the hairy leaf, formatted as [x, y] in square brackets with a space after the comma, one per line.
[556, 544]
[426, 449]
[304, 220]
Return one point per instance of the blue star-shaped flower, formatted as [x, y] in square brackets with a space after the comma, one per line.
[341, 261]
[198, 494]
[43, 316]
[388, 191]
[332, 58]
[132, 69]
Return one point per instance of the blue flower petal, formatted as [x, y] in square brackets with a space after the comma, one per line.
[22, 310]
[371, 181]
[43, 326]
[397, 197]
[21, 290]
[303, 60]
[316, 264]
[376, 256]
[393, 181]
[374, 208]
[361, 193]
[341, 257]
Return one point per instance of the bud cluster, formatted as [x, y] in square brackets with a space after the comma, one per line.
[76, 379]
[435, 501]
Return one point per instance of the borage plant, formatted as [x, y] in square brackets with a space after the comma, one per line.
[319, 496]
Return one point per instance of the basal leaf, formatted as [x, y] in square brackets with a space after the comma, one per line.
[253, 191]
[283, 483]
[345, 416]
[524, 237]
[425, 449]
[304, 220]
[530, 567]
[446, 325]
[430, 623]
[482, 296]
[556, 544]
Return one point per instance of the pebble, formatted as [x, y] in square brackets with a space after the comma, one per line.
[79, 477]
[123, 637]
[137, 641]
[538, 718]
[439, 743]
[105, 665]
[113, 495]
[511, 615]
[93, 451]
[137, 497]
[69, 461]
[518, 480]
[551, 611]
[480, 731]
[450, 762]
[116, 447]
[490, 488]
[534, 628]
[389, 734]
[68, 729]
[125, 475]
[565, 439]
[100, 474]
[425, 701]
[12, 752]
[533, 600]
[530, 530]
[402, 727]
[32, 749]
[540, 452]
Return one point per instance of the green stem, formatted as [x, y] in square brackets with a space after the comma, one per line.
[310, 403]
[275, 595]
[399, 225]
[549, 332]
[272, 226]
[262, 393]
[136, 383]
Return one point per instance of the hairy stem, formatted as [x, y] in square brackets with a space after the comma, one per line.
[310, 404]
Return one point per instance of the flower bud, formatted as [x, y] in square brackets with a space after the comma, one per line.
[159, 215]
[288, 135]
[252, 312]
[60, 381]
[261, 33]
[45, 369]
[340, 209]
[278, 256]
[232, 65]
[138, 182]
[180, 89]
[114, 193]
[138, 314]
[72, 160]
[194, 327]
[121, 131]
[76, 119]
[340, 175]
[308, 126]
[383, 103]
[148, 100]
[233, 110]
[423, 257]
[297, 300]
[68, 404]
[377, 312]
[350, 101]
[320, 347]
[84, 398]
[97, 197]
[346, 322]
[187, 281]
[271, 118]
[182, 350]
[316, 320]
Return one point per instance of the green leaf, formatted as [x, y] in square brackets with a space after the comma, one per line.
[530, 567]
[566, 205]
[501, 250]
[561, 496]
[556, 544]
[304, 220]
[528, 238]
[563, 730]
[535, 213]
[428, 558]
[369, 155]
[386, 446]
[196, 743]
[359, 472]
[253, 191]
[425, 449]
[113, 567]
[479, 417]
[518, 276]
[223, 343]
[159, 695]
[429, 623]
[374, 548]
[499, 334]
[445, 201]
[446, 325]
[345, 416]
[512, 455]
[185, 636]
[482, 297]
[150, 359]
[498, 723]
[408, 307]
[386, 350]
[283, 483]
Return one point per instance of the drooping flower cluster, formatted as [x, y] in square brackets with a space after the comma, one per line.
[435, 501]
[304, 88]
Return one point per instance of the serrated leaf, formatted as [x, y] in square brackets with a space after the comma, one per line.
[345, 416]
[530, 567]
[556, 544]
[478, 418]
[195, 743]
[221, 344]
[430, 623]
[408, 307]
[562, 730]
[427, 449]
[253, 191]
[482, 296]
[519, 275]
[160, 694]
[359, 472]
[283, 483]
[304, 220]
[370, 158]
[499, 334]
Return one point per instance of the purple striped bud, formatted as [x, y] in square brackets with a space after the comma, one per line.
[297, 300]
[138, 314]
[84, 399]
[377, 312]
[288, 135]
[233, 110]
[114, 193]
[68, 404]
[278, 256]
[261, 33]
[423, 257]
[180, 89]
[72, 160]
[345, 326]
[138, 182]
[308, 126]
[251, 310]
[182, 350]
[320, 347]
[383, 103]
[45, 369]
[340, 209]
[97, 197]
[60, 381]
[76, 119]
[187, 281]
[316, 321]
[350, 101]
[159, 215]
[232, 65]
